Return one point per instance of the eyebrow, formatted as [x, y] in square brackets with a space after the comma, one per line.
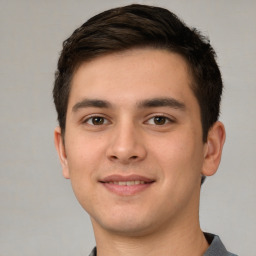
[85, 103]
[149, 103]
[162, 102]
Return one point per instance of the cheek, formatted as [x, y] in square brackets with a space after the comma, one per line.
[83, 150]
[180, 161]
[82, 163]
[84, 157]
[179, 155]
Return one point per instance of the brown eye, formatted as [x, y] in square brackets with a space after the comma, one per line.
[97, 120]
[160, 120]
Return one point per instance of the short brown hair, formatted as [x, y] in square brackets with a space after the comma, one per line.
[136, 26]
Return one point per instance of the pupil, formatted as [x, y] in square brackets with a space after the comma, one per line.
[97, 120]
[159, 120]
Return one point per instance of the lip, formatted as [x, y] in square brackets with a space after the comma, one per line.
[116, 184]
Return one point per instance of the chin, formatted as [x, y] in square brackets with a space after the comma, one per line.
[124, 226]
[130, 231]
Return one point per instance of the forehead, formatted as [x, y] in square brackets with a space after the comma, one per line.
[132, 74]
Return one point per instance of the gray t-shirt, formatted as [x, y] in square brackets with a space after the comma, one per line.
[216, 247]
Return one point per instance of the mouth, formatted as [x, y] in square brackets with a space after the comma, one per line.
[126, 185]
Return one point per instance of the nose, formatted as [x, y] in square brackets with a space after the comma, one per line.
[126, 145]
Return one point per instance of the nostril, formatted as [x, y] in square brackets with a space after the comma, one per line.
[133, 157]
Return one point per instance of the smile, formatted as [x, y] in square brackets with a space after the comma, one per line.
[127, 183]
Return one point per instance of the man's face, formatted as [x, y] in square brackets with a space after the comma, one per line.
[133, 141]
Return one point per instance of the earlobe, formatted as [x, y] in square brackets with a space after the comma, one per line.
[213, 149]
[60, 147]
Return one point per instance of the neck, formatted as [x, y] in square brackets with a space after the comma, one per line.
[180, 236]
[179, 241]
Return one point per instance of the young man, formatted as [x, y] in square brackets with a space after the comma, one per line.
[137, 94]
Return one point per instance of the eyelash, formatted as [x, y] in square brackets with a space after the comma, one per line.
[104, 120]
[166, 120]
[91, 119]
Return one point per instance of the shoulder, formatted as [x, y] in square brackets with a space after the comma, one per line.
[216, 248]
[93, 252]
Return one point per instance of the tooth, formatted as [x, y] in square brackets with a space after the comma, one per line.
[127, 183]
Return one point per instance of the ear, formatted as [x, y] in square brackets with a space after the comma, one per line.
[60, 147]
[213, 149]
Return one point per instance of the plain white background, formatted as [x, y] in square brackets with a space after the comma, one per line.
[39, 214]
